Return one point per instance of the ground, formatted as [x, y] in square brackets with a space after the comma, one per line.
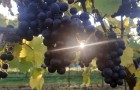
[19, 81]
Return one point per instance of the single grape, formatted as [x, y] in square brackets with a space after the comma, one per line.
[61, 70]
[3, 56]
[120, 82]
[5, 66]
[4, 75]
[70, 1]
[10, 57]
[84, 16]
[73, 11]
[63, 6]
[51, 69]
[113, 84]
[55, 8]
[107, 72]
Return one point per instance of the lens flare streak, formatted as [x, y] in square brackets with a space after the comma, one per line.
[83, 45]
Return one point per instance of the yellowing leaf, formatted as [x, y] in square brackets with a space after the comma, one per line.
[126, 22]
[34, 51]
[86, 77]
[36, 79]
[23, 52]
[127, 57]
[137, 87]
[35, 72]
[17, 50]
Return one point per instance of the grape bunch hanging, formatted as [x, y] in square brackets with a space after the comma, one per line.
[5, 58]
[59, 30]
[62, 34]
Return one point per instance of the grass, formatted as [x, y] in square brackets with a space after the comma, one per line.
[17, 79]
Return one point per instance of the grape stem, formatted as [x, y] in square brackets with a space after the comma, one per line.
[100, 18]
[122, 27]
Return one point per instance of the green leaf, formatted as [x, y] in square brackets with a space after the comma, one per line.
[36, 79]
[108, 7]
[15, 62]
[24, 66]
[134, 42]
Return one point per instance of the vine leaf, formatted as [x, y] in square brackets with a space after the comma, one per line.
[107, 6]
[34, 51]
[24, 65]
[134, 42]
[127, 57]
[137, 87]
[36, 79]
[15, 62]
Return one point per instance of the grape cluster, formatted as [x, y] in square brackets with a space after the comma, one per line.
[62, 34]
[60, 31]
[109, 60]
[7, 56]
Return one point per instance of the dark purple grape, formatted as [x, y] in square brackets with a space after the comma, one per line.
[115, 76]
[121, 43]
[73, 11]
[4, 75]
[51, 69]
[34, 24]
[66, 20]
[107, 72]
[120, 52]
[112, 35]
[108, 80]
[120, 82]
[84, 16]
[5, 66]
[113, 84]
[61, 70]
[24, 26]
[55, 62]
[31, 16]
[75, 16]
[117, 61]
[48, 22]
[70, 1]
[113, 54]
[109, 63]
[56, 23]
[90, 29]
[3, 56]
[116, 68]
[41, 16]
[55, 8]
[63, 6]
[101, 66]
[122, 74]
[99, 34]
[86, 23]
[46, 33]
